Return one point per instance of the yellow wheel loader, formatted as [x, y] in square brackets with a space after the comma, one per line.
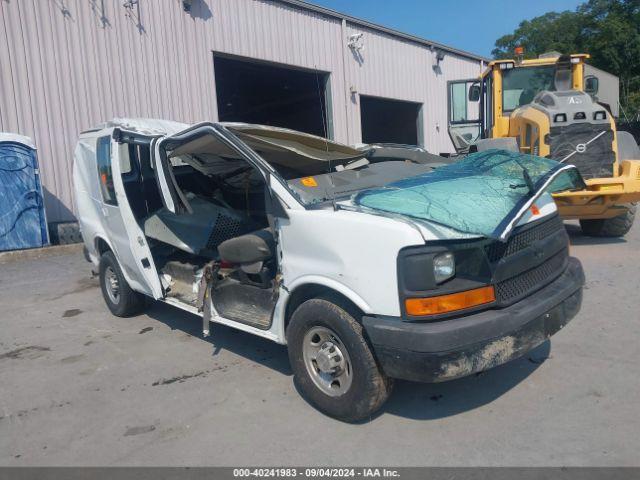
[546, 107]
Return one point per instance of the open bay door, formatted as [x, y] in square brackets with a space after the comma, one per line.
[463, 113]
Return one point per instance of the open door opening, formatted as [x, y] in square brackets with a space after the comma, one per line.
[261, 93]
[210, 237]
[389, 121]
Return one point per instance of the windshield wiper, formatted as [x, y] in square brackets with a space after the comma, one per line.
[527, 179]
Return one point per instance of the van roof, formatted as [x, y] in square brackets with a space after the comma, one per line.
[153, 126]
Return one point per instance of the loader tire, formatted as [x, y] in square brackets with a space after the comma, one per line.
[611, 227]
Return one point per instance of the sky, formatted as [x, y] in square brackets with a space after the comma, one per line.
[468, 25]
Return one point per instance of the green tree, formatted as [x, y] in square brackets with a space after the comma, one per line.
[609, 30]
[552, 31]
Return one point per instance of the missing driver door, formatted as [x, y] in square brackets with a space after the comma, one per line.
[463, 115]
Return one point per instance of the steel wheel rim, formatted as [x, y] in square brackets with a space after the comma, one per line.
[112, 285]
[327, 361]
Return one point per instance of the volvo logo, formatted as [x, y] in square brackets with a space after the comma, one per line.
[582, 147]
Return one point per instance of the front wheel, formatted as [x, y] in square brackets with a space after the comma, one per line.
[611, 227]
[332, 363]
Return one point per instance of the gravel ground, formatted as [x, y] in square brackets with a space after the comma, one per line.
[82, 387]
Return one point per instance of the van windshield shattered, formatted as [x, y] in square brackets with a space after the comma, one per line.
[486, 193]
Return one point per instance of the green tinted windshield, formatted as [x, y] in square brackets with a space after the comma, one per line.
[486, 193]
[520, 85]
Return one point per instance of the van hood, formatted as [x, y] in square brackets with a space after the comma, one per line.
[428, 230]
[431, 231]
[486, 194]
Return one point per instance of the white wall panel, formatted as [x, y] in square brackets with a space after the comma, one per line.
[70, 64]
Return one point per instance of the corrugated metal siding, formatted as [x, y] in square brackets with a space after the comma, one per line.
[71, 64]
[402, 70]
[608, 88]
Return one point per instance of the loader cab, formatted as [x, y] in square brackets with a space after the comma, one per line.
[503, 87]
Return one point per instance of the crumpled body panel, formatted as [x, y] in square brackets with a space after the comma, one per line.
[486, 193]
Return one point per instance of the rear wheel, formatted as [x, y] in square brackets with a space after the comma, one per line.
[332, 363]
[610, 227]
[118, 295]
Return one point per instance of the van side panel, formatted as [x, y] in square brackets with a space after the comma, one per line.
[87, 195]
[97, 219]
[350, 252]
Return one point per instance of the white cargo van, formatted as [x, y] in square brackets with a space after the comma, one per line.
[369, 264]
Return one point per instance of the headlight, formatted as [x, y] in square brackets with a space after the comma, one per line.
[444, 266]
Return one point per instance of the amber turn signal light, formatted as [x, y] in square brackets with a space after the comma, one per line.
[449, 303]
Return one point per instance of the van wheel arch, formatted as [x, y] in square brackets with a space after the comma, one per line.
[306, 292]
[101, 246]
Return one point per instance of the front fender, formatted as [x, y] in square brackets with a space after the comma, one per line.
[333, 285]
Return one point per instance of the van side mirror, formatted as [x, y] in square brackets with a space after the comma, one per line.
[591, 84]
[474, 92]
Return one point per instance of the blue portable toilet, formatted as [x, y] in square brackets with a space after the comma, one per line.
[22, 218]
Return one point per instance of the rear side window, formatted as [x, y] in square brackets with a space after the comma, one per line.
[103, 154]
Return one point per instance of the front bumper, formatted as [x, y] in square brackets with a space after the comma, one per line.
[454, 348]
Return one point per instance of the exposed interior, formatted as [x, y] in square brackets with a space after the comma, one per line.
[381, 164]
[389, 121]
[254, 92]
[226, 199]
[224, 230]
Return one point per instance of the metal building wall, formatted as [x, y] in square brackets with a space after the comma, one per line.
[70, 64]
[608, 88]
[399, 69]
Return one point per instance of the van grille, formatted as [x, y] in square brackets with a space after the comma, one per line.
[511, 290]
[498, 250]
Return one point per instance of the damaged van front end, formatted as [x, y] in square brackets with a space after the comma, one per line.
[505, 300]
[470, 304]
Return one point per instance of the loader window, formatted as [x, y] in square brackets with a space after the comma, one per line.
[103, 155]
[464, 120]
[520, 85]
[460, 109]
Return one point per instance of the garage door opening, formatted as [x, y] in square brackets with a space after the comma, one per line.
[389, 121]
[255, 92]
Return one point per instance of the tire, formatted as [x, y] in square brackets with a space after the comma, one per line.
[358, 395]
[610, 227]
[126, 302]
